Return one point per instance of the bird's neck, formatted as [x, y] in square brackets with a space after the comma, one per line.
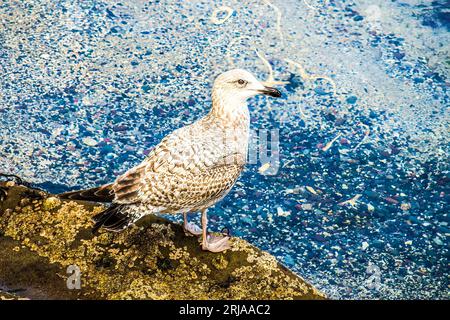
[231, 116]
[230, 109]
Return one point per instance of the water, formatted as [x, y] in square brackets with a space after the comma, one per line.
[88, 87]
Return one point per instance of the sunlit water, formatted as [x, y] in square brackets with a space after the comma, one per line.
[88, 87]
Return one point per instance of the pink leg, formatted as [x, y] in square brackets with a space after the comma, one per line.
[210, 242]
[191, 228]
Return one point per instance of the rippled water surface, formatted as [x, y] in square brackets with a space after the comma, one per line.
[359, 205]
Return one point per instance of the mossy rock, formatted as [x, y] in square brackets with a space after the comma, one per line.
[41, 236]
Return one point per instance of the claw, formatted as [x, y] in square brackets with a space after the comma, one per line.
[216, 243]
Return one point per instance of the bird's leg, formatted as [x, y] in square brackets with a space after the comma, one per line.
[211, 242]
[190, 227]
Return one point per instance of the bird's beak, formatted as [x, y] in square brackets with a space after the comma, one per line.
[270, 91]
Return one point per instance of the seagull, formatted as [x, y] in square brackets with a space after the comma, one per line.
[190, 170]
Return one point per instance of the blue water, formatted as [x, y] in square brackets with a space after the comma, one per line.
[127, 73]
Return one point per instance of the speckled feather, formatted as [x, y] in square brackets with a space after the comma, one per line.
[189, 170]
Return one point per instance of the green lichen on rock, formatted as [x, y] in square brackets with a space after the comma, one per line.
[153, 260]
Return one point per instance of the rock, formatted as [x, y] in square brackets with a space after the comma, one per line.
[89, 142]
[153, 260]
[444, 230]
[351, 100]
[399, 55]
[50, 203]
[438, 241]
[282, 213]
[405, 206]
[120, 128]
[364, 246]
[372, 195]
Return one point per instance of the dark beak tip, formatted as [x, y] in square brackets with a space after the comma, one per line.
[272, 92]
[277, 94]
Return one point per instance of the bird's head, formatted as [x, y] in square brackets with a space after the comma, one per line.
[239, 85]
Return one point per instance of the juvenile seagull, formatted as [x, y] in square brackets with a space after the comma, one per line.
[190, 169]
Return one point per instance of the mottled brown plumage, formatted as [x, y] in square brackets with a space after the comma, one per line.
[190, 169]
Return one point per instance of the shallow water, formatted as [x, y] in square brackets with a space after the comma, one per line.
[88, 87]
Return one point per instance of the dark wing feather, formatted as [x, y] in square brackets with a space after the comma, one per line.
[113, 219]
[99, 194]
[126, 188]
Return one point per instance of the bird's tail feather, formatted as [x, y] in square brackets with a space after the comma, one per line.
[99, 194]
[112, 219]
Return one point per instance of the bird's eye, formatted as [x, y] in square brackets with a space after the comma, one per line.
[242, 82]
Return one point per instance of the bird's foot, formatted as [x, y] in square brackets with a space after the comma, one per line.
[216, 243]
[192, 229]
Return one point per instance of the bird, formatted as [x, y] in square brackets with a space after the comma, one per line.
[190, 170]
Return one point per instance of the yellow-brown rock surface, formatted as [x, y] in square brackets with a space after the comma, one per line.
[40, 236]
